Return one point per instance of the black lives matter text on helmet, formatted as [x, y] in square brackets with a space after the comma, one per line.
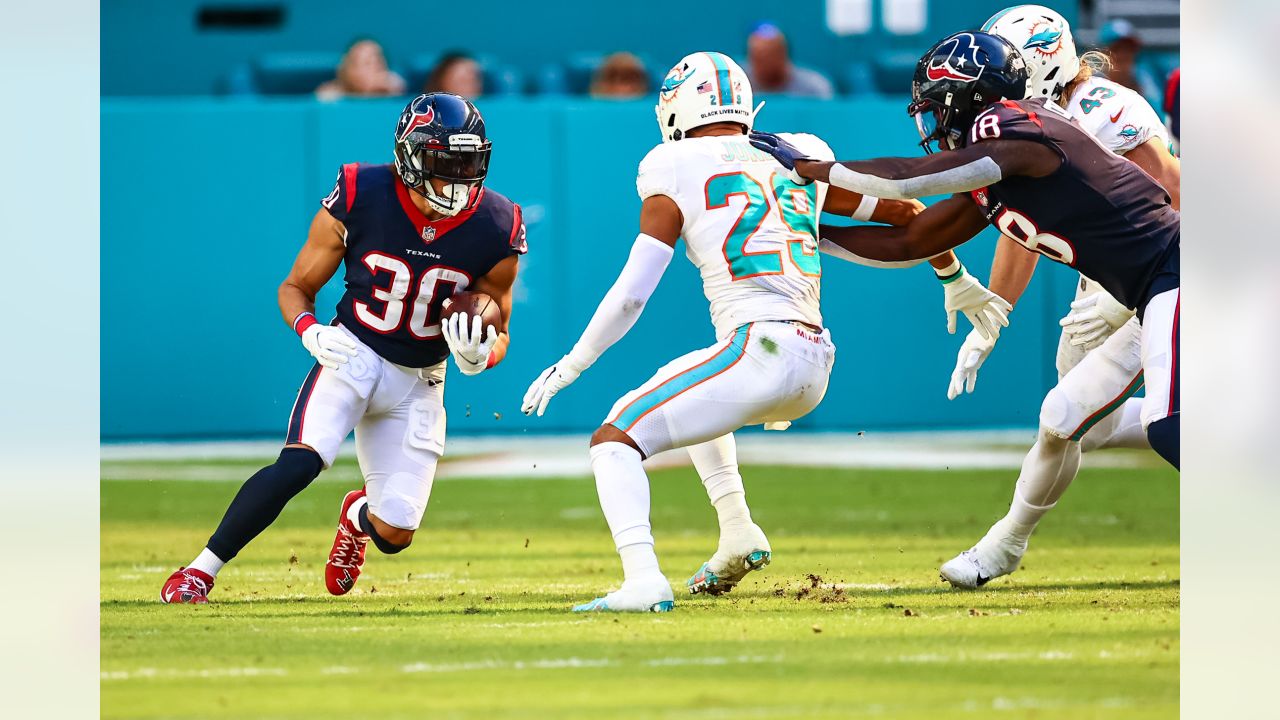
[441, 136]
[960, 77]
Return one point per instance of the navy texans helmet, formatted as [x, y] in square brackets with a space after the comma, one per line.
[957, 79]
[441, 136]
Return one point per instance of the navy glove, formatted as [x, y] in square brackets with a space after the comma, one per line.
[784, 152]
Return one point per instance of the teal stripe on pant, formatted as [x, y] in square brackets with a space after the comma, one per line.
[673, 386]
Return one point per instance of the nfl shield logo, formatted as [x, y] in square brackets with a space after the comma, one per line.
[428, 234]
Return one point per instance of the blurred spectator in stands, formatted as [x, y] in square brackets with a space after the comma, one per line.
[363, 72]
[457, 73]
[1173, 106]
[1120, 39]
[620, 76]
[771, 71]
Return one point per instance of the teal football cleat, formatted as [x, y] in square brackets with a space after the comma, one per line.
[655, 596]
[710, 582]
[740, 553]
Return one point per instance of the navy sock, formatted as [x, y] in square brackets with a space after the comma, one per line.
[387, 547]
[261, 499]
[1166, 438]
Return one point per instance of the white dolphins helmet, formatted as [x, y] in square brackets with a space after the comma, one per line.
[703, 88]
[1044, 37]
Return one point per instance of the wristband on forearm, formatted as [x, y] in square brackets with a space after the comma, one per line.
[866, 208]
[950, 273]
[304, 320]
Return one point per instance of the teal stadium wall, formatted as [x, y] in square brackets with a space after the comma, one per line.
[206, 201]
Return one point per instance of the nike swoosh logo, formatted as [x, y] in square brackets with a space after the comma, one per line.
[1116, 118]
[983, 579]
[168, 597]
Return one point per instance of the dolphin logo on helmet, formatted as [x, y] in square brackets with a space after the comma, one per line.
[1045, 38]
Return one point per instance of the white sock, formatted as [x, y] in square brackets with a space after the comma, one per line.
[639, 561]
[717, 464]
[207, 562]
[1047, 470]
[732, 510]
[353, 513]
[624, 497]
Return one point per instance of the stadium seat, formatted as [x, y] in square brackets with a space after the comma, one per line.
[893, 71]
[578, 69]
[858, 80]
[294, 73]
[549, 80]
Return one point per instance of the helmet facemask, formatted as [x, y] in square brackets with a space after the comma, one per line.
[462, 166]
[936, 123]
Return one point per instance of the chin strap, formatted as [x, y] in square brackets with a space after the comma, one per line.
[756, 112]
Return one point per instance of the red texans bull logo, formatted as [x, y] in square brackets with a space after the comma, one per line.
[961, 62]
[419, 119]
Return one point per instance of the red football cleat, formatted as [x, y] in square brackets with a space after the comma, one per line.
[346, 557]
[188, 585]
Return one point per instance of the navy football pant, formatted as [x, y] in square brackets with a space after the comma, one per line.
[261, 499]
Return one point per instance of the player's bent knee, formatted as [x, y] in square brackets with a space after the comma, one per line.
[300, 463]
[389, 540]
[1056, 416]
[609, 433]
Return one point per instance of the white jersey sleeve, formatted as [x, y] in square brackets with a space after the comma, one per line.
[657, 174]
[1118, 117]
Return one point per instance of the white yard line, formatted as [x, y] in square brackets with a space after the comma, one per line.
[568, 663]
[525, 456]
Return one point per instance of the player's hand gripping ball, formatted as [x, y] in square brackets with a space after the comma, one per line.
[469, 322]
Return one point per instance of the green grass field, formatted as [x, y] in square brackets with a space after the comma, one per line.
[473, 621]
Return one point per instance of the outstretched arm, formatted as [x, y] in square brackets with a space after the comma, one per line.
[939, 228]
[660, 223]
[866, 207]
[969, 168]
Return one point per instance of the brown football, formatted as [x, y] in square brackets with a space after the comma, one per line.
[473, 304]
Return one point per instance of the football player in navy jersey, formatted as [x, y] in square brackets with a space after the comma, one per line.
[410, 235]
[1027, 168]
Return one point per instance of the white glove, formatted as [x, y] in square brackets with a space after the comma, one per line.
[468, 342]
[986, 310]
[328, 345]
[972, 354]
[1093, 318]
[551, 381]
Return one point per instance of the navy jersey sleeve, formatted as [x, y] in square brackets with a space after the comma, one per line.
[509, 221]
[342, 198]
[519, 244]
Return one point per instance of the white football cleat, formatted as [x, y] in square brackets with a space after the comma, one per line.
[995, 555]
[740, 552]
[649, 595]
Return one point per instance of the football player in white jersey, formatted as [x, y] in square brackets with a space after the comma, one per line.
[752, 233]
[1087, 410]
